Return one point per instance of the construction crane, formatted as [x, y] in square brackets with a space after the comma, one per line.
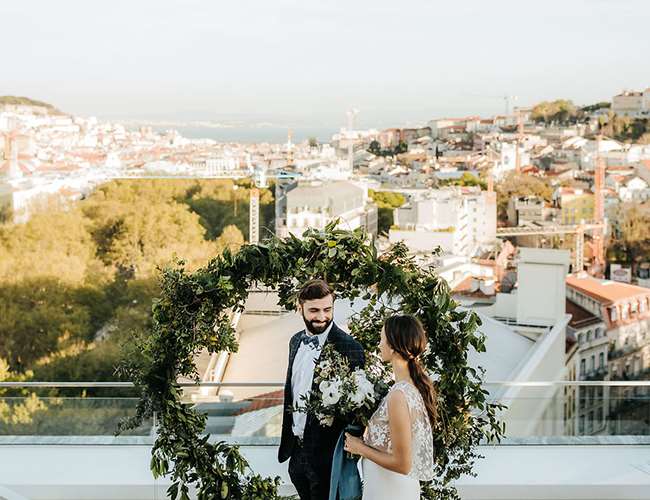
[597, 226]
[578, 229]
[507, 100]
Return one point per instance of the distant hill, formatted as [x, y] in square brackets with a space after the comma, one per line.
[26, 101]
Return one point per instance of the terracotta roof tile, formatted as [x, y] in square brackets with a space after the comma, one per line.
[604, 291]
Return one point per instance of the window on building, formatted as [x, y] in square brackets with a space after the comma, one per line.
[583, 366]
[581, 338]
[613, 314]
[588, 335]
[592, 363]
[601, 360]
[581, 425]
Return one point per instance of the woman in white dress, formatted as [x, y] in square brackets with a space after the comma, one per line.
[397, 448]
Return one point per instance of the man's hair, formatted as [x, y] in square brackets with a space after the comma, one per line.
[315, 289]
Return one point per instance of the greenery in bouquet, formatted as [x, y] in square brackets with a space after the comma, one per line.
[343, 393]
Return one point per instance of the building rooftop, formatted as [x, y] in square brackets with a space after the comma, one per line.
[605, 291]
[339, 197]
[580, 317]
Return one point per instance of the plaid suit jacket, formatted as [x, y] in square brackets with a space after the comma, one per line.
[317, 440]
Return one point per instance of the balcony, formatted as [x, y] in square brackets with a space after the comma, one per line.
[56, 442]
[595, 374]
[625, 350]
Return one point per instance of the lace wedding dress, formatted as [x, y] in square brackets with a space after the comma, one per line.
[383, 484]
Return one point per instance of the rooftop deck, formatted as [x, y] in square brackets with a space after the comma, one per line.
[64, 447]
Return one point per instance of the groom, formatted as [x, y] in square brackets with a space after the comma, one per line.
[308, 445]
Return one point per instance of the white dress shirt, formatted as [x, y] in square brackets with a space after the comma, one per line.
[302, 376]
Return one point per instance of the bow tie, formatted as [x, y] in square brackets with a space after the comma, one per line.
[310, 340]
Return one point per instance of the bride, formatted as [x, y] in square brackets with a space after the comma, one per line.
[397, 449]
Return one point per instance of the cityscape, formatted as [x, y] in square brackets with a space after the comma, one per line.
[541, 217]
[529, 203]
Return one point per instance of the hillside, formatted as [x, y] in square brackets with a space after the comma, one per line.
[26, 101]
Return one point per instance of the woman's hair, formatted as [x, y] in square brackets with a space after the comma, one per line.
[406, 336]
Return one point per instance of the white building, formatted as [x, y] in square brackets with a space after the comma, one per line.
[586, 408]
[459, 220]
[525, 339]
[507, 161]
[634, 189]
[314, 204]
[632, 103]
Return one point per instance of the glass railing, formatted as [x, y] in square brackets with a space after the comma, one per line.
[586, 412]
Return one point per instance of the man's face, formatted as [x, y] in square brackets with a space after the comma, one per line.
[317, 314]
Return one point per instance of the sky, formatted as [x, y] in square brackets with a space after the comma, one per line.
[307, 62]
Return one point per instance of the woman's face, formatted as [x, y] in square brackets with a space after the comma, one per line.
[384, 348]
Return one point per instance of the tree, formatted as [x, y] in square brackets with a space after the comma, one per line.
[402, 147]
[560, 111]
[142, 237]
[513, 185]
[633, 230]
[56, 242]
[387, 202]
[217, 206]
[374, 148]
[6, 213]
[466, 179]
[231, 238]
[38, 318]
[595, 107]
[313, 142]
[17, 411]
[77, 280]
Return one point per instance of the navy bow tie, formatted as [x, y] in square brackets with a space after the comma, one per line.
[310, 340]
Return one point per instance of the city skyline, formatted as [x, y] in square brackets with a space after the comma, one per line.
[291, 64]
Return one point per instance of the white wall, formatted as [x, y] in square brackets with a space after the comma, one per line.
[541, 292]
[594, 472]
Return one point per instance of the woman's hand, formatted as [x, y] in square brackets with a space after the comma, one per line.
[353, 444]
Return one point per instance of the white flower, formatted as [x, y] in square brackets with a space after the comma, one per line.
[330, 391]
[365, 389]
[357, 397]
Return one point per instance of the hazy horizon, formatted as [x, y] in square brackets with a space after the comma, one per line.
[291, 64]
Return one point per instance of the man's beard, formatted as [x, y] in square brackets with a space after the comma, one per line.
[316, 329]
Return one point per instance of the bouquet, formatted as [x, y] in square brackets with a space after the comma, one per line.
[342, 393]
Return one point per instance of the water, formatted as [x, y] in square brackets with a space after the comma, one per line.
[251, 134]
